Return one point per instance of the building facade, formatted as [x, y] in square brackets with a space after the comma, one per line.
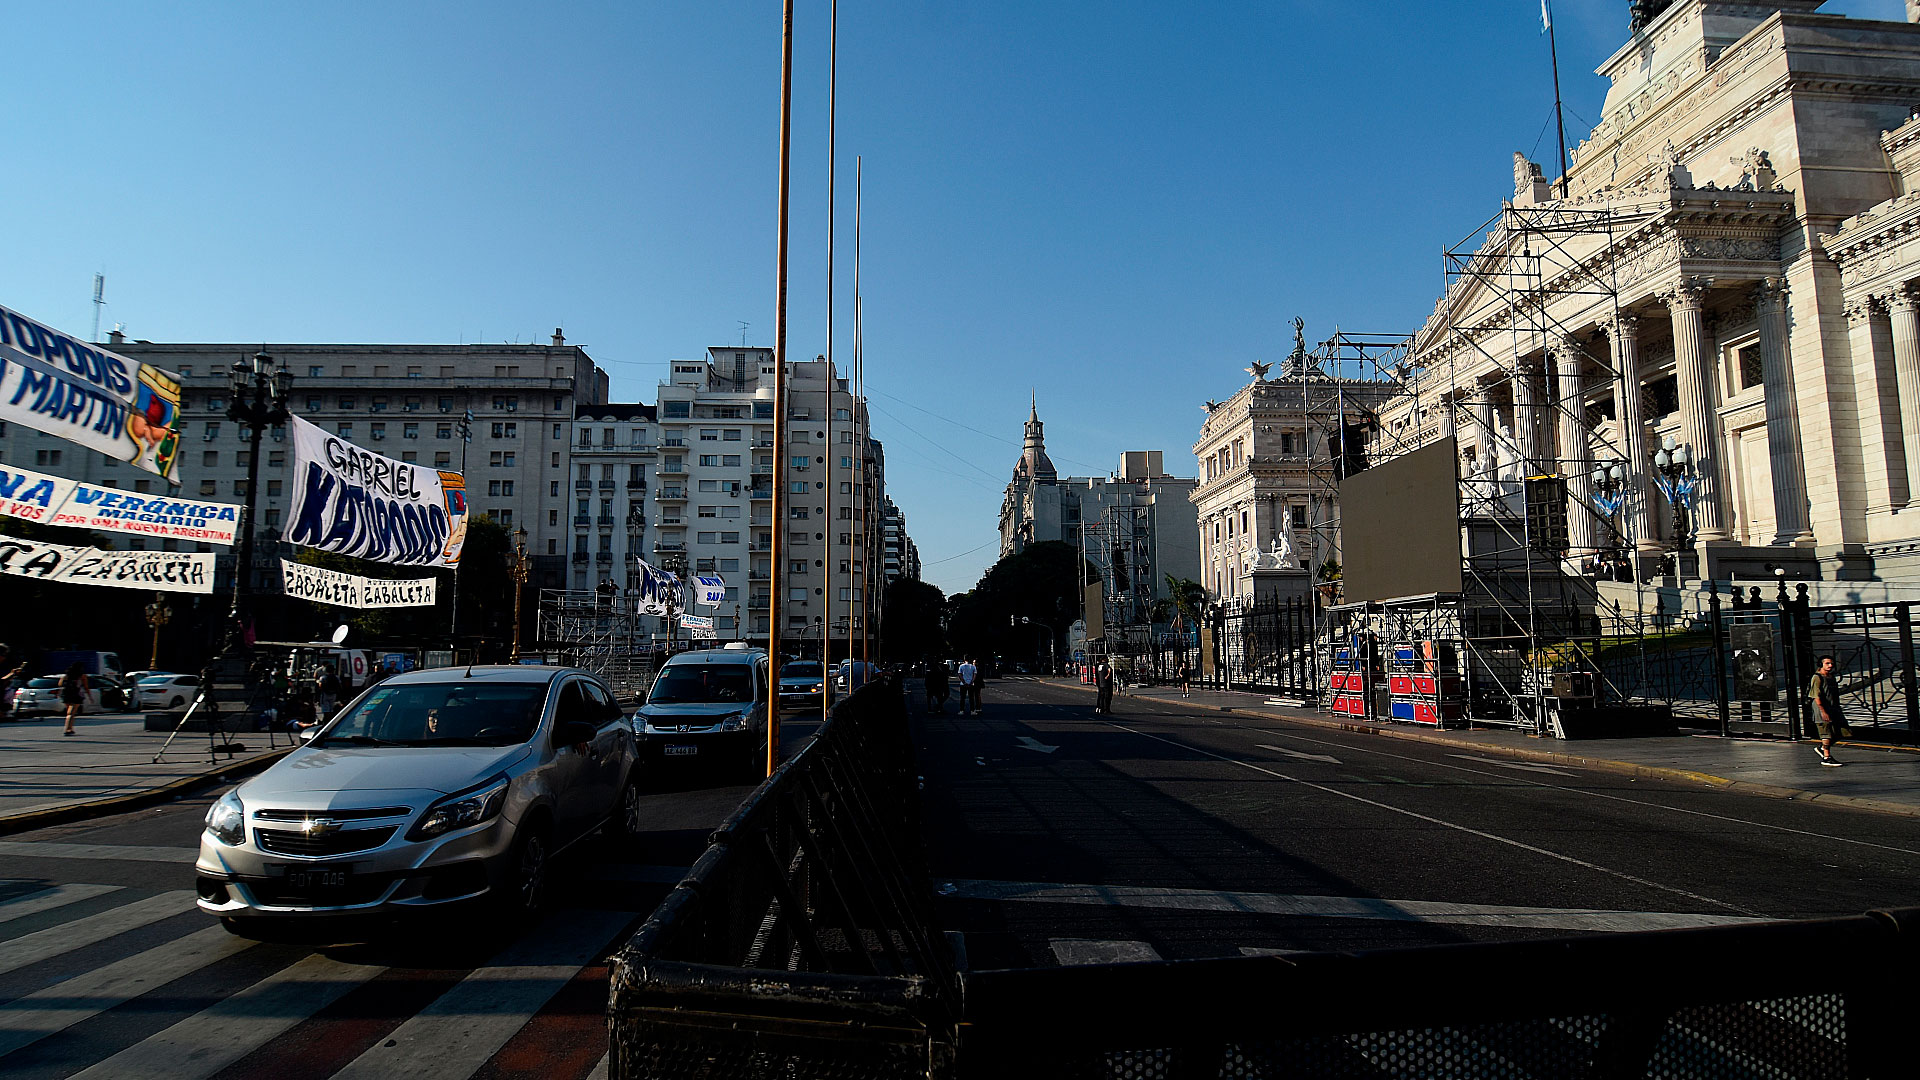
[900, 556]
[1727, 271]
[404, 401]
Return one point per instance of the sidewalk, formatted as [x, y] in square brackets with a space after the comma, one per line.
[1884, 779]
[47, 778]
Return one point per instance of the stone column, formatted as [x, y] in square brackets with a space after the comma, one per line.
[1445, 406]
[1699, 402]
[1576, 449]
[1905, 316]
[1527, 396]
[1485, 435]
[1877, 397]
[1635, 520]
[1783, 424]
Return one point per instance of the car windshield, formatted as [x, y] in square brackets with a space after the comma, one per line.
[800, 669]
[43, 684]
[441, 714]
[156, 680]
[701, 684]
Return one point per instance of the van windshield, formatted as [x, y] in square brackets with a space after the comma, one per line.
[701, 684]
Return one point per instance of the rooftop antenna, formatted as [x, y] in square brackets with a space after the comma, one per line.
[99, 302]
[743, 332]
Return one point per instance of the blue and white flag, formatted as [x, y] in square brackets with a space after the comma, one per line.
[659, 591]
[713, 589]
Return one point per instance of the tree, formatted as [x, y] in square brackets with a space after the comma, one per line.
[1042, 583]
[1185, 601]
[913, 620]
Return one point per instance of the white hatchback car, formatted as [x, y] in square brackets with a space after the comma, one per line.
[165, 691]
[432, 788]
[42, 695]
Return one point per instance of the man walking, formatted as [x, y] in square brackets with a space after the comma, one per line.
[969, 687]
[1828, 720]
[1103, 695]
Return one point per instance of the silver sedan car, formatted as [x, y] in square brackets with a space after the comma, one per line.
[432, 788]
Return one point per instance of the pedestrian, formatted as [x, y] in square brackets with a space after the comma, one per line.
[1828, 720]
[73, 693]
[326, 686]
[1186, 678]
[969, 687]
[937, 689]
[1103, 697]
[6, 681]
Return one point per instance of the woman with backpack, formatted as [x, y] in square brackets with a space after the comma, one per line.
[73, 694]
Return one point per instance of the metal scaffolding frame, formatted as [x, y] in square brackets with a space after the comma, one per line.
[597, 632]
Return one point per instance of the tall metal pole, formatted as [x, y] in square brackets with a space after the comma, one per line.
[826, 597]
[1559, 114]
[453, 614]
[856, 475]
[775, 597]
[265, 403]
[863, 501]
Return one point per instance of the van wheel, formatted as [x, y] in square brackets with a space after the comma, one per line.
[525, 889]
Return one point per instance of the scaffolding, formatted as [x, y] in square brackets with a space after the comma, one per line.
[1535, 534]
[597, 631]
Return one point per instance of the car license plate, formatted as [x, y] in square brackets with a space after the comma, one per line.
[315, 878]
[682, 751]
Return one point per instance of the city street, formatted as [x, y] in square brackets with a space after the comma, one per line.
[108, 970]
[1058, 837]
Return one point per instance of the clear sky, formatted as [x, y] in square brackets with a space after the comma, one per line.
[1114, 205]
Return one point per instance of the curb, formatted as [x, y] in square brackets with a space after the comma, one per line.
[115, 804]
[1628, 768]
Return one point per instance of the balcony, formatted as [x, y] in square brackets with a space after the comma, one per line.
[607, 521]
[762, 494]
[669, 545]
[759, 575]
[606, 485]
[603, 556]
[583, 485]
[579, 558]
[581, 521]
[670, 495]
[673, 442]
[674, 470]
[636, 485]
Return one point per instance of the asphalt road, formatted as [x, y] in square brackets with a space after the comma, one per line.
[1058, 837]
[108, 970]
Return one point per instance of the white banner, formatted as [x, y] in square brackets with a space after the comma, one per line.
[87, 395]
[162, 571]
[359, 503]
[659, 591]
[697, 622]
[55, 500]
[712, 588]
[323, 586]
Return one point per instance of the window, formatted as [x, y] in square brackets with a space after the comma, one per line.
[553, 518]
[556, 459]
[797, 513]
[410, 431]
[796, 538]
[313, 404]
[1299, 516]
[443, 458]
[729, 537]
[846, 463]
[763, 410]
[709, 460]
[243, 458]
[501, 459]
[727, 566]
[708, 537]
[213, 432]
[273, 517]
[506, 402]
[346, 402]
[797, 566]
[553, 489]
[276, 459]
[446, 371]
[240, 487]
[1286, 442]
[413, 371]
[708, 434]
[209, 459]
[732, 434]
[314, 371]
[798, 594]
[504, 517]
[349, 370]
[208, 489]
[559, 431]
[708, 512]
[379, 404]
[443, 431]
[846, 488]
[729, 512]
[508, 430]
[446, 403]
[801, 461]
[798, 487]
[586, 473]
[1751, 374]
[410, 456]
[679, 410]
[345, 431]
[730, 459]
[710, 485]
[379, 430]
[500, 488]
[553, 547]
[273, 489]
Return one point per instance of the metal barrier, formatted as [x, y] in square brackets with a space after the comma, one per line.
[802, 942]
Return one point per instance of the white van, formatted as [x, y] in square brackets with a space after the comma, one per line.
[708, 705]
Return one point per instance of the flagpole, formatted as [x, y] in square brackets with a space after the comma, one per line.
[1559, 114]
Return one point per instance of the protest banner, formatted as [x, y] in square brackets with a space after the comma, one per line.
[358, 503]
[713, 589]
[324, 586]
[659, 591]
[162, 571]
[55, 500]
[87, 395]
[697, 622]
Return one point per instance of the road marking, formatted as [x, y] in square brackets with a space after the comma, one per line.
[1328, 758]
[48, 899]
[222, 1034]
[1032, 743]
[78, 934]
[1443, 823]
[1071, 952]
[600, 1071]
[44, 849]
[463, 1028]
[27, 1020]
[1528, 766]
[1254, 950]
[1333, 907]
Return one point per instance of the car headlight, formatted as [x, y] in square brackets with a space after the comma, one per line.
[733, 723]
[462, 810]
[227, 820]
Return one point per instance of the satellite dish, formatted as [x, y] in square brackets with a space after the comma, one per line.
[340, 633]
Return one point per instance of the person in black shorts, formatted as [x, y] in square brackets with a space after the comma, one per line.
[1828, 719]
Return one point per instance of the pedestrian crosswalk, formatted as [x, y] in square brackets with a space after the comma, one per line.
[92, 1014]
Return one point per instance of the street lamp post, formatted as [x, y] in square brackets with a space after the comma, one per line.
[259, 400]
[1677, 482]
[518, 569]
[157, 615]
[465, 431]
[1029, 621]
[1609, 494]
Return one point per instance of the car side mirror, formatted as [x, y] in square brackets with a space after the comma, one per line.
[306, 736]
[573, 733]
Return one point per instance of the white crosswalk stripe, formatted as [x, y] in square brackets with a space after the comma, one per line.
[29, 1019]
[1073, 951]
[463, 1028]
[47, 849]
[78, 934]
[600, 1071]
[48, 899]
[222, 1034]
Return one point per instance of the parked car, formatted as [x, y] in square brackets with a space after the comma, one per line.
[43, 695]
[134, 677]
[708, 705]
[432, 788]
[801, 684]
[166, 691]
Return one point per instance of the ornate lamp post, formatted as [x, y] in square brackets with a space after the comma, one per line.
[157, 616]
[1677, 482]
[518, 569]
[259, 400]
[1609, 494]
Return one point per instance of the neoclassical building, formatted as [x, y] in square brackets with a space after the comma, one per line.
[1727, 264]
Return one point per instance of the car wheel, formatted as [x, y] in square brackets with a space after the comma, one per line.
[629, 818]
[176, 703]
[526, 884]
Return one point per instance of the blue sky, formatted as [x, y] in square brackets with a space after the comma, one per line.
[1114, 205]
